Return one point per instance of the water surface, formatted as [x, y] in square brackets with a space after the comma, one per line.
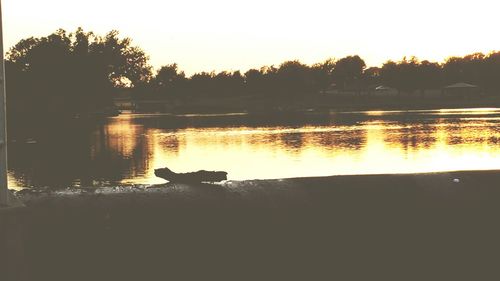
[126, 149]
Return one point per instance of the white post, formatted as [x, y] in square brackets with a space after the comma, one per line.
[4, 191]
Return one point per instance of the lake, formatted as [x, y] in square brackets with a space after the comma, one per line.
[126, 149]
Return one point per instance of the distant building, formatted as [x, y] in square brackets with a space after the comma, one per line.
[384, 91]
[461, 89]
[331, 90]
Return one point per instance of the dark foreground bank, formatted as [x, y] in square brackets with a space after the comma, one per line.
[442, 226]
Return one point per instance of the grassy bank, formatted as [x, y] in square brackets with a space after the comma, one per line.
[318, 102]
[440, 226]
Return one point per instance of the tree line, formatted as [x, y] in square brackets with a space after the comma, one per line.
[350, 73]
[65, 74]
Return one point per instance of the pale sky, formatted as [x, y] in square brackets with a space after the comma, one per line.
[205, 35]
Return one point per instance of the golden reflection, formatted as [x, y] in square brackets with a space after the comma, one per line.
[121, 135]
[469, 111]
[128, 148]
[376, 113]
[14, 183]
[369, 148]
[454, 111]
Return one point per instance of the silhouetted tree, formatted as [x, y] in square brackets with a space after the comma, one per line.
[201, 84]
[408, 74]
[321, 74]
[429, 75]
[294, 78]
[271, 81]
[468, 69]
[255, 82]
[389, 74]
[228, 83]
[66, 74]
[491, 74]
[402, 75]
[169, 81]
[371, 77]
[348, 71]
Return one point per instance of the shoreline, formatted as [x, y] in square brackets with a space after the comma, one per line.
[371, 227]
[320, 103]
[442, 179]
[308, 110]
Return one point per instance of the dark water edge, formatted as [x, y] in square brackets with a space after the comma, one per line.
[320, 102]
[386, 227]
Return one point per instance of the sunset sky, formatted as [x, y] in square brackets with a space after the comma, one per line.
[238, 35]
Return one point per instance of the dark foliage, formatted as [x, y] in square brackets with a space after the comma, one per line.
[61, 76]
[65, 75]
[292, 78]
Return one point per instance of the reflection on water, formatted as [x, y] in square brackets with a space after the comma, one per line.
[127, 148]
